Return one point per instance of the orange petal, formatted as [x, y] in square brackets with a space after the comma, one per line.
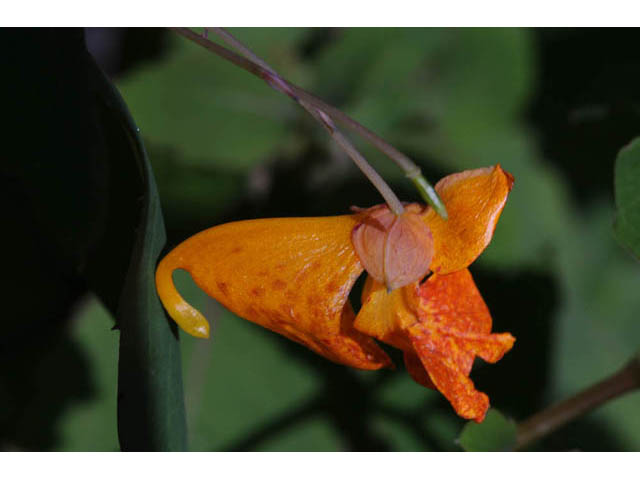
[474, 200]
[454, 326]
[290, 275]
[449, 380]
[416, 369]
[451, 307]
[385, 315]
[394, 249]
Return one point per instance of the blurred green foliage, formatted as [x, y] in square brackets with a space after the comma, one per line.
[251, 120]
[224, 146]
[627, 180]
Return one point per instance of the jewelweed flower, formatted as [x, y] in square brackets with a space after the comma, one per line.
[294, 276]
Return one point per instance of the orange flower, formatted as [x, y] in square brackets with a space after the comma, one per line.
[294, 275]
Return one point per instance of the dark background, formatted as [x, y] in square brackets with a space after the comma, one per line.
[553, 106]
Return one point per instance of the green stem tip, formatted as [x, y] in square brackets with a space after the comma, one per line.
[429, 195]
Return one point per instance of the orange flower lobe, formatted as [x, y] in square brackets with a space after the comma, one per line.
[454, 326]
[474, 200]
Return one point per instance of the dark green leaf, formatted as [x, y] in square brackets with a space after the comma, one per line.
[53, 208]
[151, 413]
[495, 434]
[57, 182]
[627, 188]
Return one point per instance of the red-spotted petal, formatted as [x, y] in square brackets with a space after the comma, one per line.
[453, 327]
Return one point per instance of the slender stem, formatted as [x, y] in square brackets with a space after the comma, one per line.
[392, 200]
[374, 177]
[255, 65]
[242, 48]
[556, 416]
[411, 169]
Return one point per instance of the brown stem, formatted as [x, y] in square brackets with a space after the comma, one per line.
[242, 48]
[253, 64]
[277, 82]
[374, 177]
[543, 423]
